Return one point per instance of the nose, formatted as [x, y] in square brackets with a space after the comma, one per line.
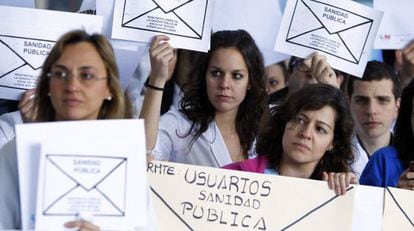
[72, 82]
[372, 108]
[224, 82]
[306, 131]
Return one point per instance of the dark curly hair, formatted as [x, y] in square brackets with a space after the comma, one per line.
[403, 130]
[310, 98]
[195, 104]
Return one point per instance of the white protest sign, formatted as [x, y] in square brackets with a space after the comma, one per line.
[186, 22]
[188, 197]
[26, 38]
[398, 209]
[127, 53]
[396, 29]
[343, 31]
[116, 196]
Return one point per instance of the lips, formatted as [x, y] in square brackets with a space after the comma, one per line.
[302, 146]
[72, 101]
[372, 123]
[223, 97]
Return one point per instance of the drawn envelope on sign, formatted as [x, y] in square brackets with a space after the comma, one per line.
[21, 55]
[183, 18]
[398, 209]
[87, 183]
[333, 30]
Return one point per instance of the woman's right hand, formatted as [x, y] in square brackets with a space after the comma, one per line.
[82, 225]
[162, 58]
[406, 180]
[26, 105]
[339, 181]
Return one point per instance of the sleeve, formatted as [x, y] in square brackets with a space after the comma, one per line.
[9, 192]
[167, 137]
[375, 172]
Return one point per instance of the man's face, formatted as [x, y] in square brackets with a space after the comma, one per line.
[373, 107]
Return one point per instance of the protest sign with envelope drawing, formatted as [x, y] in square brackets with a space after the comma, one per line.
[398, 209]
[86, 184]
[26, 38]
[90, 172]
[186, 22]
[396, 29]
[219, 199]
[342, 30]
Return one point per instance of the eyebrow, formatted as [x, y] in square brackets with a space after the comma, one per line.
[64, 67]
[318, 121]
[236, 70]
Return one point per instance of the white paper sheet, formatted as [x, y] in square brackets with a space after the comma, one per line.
[26, 38]
[341, 30]
[261, 20]
[186, 22]
[128, 53]
[102, 137]
[396, 29]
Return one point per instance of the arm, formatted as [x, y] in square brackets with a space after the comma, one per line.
[406, 59]
[161, 54]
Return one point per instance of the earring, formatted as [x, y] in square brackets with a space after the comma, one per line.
[109, 98]
[49, 94]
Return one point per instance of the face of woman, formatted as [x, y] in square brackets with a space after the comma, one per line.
[308, 136]
[275, 78]
[78, 83]
[227, 80]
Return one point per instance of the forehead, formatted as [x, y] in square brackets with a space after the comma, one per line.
[325, 114]
[227, 57]
[274, 70]
[79, 54]
[383, 87]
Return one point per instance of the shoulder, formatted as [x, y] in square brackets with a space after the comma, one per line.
[256, 164]
[174, 119]
[385, 153]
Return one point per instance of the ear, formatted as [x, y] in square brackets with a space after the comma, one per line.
[397, 107]
[398, 57]
[108, 94]
[330, 147]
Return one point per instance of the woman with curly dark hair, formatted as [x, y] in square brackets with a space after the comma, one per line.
[223, 103]
[307, 136]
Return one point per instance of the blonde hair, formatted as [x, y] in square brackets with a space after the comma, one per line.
[117, 108]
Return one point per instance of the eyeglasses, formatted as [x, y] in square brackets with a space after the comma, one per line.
[85, 78]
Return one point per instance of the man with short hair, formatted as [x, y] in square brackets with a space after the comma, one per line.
[374, 101]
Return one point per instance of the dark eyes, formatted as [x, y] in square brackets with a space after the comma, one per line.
[273, 82]
[217, 73]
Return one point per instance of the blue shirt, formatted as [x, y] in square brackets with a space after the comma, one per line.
[383, 169]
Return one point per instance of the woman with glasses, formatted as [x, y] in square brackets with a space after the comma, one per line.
[79, 80]
[223, 102]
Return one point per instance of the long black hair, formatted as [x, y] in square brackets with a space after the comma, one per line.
[195, 104]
